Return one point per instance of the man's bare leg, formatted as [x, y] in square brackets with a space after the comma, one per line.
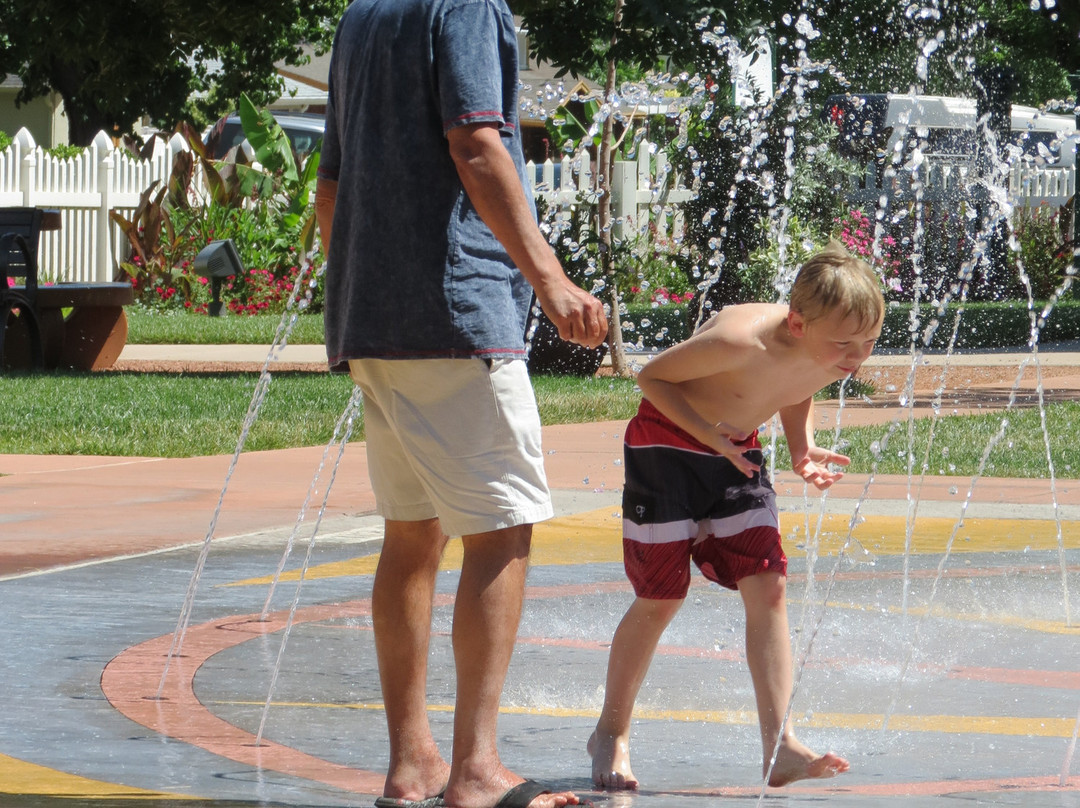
[768, 654]
[401, 602]
[632, 650]
[486, 616]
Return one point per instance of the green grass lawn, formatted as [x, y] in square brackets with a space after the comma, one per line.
[184, 415]
[148, 327]
[960, 442]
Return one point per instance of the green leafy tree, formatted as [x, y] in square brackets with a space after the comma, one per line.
[113, 61]
[858, 46]
[585, 37]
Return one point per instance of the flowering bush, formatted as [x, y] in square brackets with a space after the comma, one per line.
[1039, 248]
[265, 210]
[661, 296]
[167, 240]
[257, 291]
[855, 230]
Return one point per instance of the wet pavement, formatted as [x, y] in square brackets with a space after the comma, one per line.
[939, 652]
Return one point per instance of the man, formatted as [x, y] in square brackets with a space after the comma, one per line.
[434, 250]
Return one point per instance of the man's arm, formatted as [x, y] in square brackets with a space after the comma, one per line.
[325, 201]
[491, 180]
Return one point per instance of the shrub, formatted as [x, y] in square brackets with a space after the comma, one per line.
[855, 230]
[982, 325]
[264, 210]
[1040, 251]
[764, 275]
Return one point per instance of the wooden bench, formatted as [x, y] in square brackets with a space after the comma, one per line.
[40, 336]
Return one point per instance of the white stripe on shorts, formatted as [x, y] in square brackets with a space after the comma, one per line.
[664, 532]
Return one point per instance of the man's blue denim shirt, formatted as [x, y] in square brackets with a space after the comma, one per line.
[413, 271]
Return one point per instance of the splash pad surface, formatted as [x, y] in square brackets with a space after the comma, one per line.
[984, 709]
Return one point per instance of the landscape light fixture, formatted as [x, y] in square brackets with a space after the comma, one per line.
[218, 260]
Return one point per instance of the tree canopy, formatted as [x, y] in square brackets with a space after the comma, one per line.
[869, 45]
[114, 61]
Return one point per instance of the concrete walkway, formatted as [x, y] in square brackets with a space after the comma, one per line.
[941, 646]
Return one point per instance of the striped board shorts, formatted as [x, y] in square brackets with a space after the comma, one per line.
[682, 500]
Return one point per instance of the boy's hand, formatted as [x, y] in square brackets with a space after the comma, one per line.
[814, 467]
[724, 443]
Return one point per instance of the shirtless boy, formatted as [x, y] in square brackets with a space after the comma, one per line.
[695, 489]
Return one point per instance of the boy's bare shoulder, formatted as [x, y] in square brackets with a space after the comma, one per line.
[746, 324]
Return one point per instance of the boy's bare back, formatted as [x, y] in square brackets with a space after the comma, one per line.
[749, 362]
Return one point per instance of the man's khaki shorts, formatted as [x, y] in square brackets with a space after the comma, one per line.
[457, 439]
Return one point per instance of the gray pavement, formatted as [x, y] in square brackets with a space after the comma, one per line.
[938, 652]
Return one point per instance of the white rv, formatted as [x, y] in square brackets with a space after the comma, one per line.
[877, 126]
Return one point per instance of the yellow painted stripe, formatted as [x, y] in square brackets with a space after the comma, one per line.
[951, 724]
[20, 777]
[596, 537]
[584, 538]
[1011, 621]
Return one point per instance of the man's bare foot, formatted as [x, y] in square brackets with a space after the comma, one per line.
[418, 780]
[611, 762]
[795, 762]
[492, 791]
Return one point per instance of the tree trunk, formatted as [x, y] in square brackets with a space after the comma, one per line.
[605, 165]
[84, 120]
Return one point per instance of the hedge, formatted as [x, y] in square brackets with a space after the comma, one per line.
[982, 325]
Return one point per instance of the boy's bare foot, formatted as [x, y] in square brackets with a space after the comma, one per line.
[795, 762]
[611, 762]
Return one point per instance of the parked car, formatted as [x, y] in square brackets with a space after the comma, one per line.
[871, 125]
[305, 130]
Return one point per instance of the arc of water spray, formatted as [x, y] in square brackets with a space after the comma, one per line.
[850, 540]
[805, 656]
[1069, 752]
[342, 432]
[281, 336]
[991, 445]
[344, 421]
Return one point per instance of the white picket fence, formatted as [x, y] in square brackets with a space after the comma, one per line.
[646, 194]
[88, 247]
[1028, 186]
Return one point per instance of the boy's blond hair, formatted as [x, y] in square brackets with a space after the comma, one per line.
[834, 280]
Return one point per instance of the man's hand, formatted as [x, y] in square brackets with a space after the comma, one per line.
[577, 315]
[813, 467]
[492, 183]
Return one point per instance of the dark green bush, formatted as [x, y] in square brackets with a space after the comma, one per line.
[647, 328]
[982, 325]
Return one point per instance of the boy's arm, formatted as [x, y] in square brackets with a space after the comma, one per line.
[808, 460]
[704, 354]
